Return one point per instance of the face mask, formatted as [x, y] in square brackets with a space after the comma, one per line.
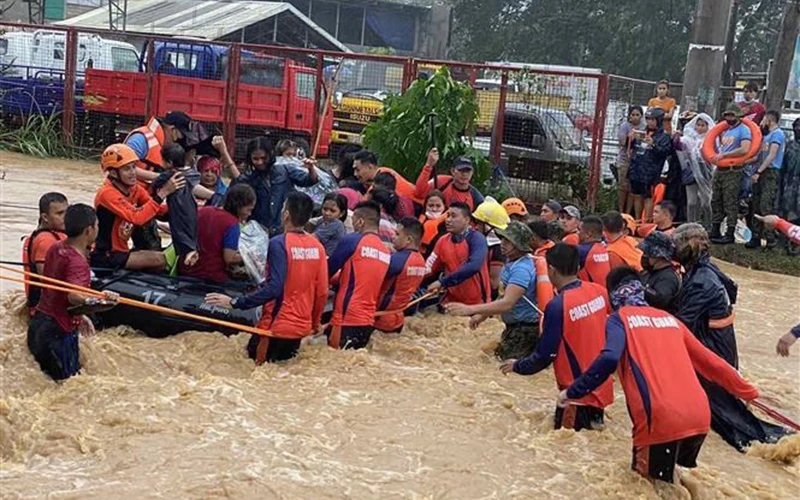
[764, 130]
[647, 264]
[434, 215]
[731, 121]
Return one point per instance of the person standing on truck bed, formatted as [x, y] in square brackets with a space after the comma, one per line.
[147, 141]
[272, 182]
[456, 187]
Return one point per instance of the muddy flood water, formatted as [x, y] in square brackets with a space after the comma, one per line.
[425, 414]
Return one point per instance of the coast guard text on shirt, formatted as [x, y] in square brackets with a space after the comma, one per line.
[587, 309]
[637, 321]
[300, 253]
[374, 253]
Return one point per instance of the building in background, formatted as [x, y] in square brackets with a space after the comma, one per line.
[412, 27]
[21, 11]
[246, 22]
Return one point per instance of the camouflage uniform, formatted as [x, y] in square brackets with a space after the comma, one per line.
[725, 195]
[764, 202]
[518, 341]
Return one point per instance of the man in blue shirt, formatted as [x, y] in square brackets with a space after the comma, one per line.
[734, 142]
[517, 306]
[765, 178]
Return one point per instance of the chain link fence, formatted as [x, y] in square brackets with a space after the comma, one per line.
[543, 128]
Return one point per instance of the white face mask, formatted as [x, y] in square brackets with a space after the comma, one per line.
[434, 215]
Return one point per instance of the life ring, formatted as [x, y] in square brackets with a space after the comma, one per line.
[710, 142]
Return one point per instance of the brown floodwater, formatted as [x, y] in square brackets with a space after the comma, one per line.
[425, 414]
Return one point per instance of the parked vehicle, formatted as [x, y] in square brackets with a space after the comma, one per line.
[275, 95]
[40, 54]
[32, 68]
[358, 101]
[540, 144]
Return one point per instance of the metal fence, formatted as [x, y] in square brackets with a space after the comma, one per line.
[551, 131]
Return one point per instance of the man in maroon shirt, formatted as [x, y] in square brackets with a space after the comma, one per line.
[53, 331]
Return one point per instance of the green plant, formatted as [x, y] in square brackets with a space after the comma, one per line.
[401, 137]
[37, 135]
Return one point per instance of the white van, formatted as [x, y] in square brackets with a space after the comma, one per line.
[41, 54]
[15, 53]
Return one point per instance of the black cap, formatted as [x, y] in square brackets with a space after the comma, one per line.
[464, 163]
[182, 122]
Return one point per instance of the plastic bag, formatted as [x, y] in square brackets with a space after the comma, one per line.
[253, 244]
[326, 183]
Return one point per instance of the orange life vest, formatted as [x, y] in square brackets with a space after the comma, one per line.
[154, 134]
[32, 293]
[544, 288]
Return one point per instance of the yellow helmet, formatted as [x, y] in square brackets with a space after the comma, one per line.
[492, 213]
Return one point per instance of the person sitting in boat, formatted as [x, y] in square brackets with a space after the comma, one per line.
[52, 207]
[123, 207]
[218, 234]
[53, 331]
[210, 170]
[295, 291]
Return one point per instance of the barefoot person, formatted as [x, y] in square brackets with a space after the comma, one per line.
[123, 206]
[53, 331]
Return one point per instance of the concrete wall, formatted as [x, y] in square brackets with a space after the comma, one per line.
[433, 39]
[15, 11]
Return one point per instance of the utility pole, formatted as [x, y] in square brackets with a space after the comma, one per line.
[706, 56]
[784, 53]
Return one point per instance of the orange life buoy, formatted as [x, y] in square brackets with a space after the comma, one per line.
[710, 142]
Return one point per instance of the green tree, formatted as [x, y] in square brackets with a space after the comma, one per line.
[401, 137]
[642, 39]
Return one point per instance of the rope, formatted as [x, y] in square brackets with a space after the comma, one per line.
[63, 286]
[776, 415]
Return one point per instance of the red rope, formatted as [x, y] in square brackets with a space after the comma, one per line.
[775, 415]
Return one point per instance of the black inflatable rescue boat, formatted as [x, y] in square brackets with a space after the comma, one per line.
[177, 293]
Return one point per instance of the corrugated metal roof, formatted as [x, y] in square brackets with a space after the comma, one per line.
[210, 20]
[423, 4]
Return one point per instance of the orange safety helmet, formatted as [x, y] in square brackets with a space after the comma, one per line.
[117, 156]
[515, 206]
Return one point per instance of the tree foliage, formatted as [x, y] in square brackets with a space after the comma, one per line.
[643, 39]
[401, 137]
